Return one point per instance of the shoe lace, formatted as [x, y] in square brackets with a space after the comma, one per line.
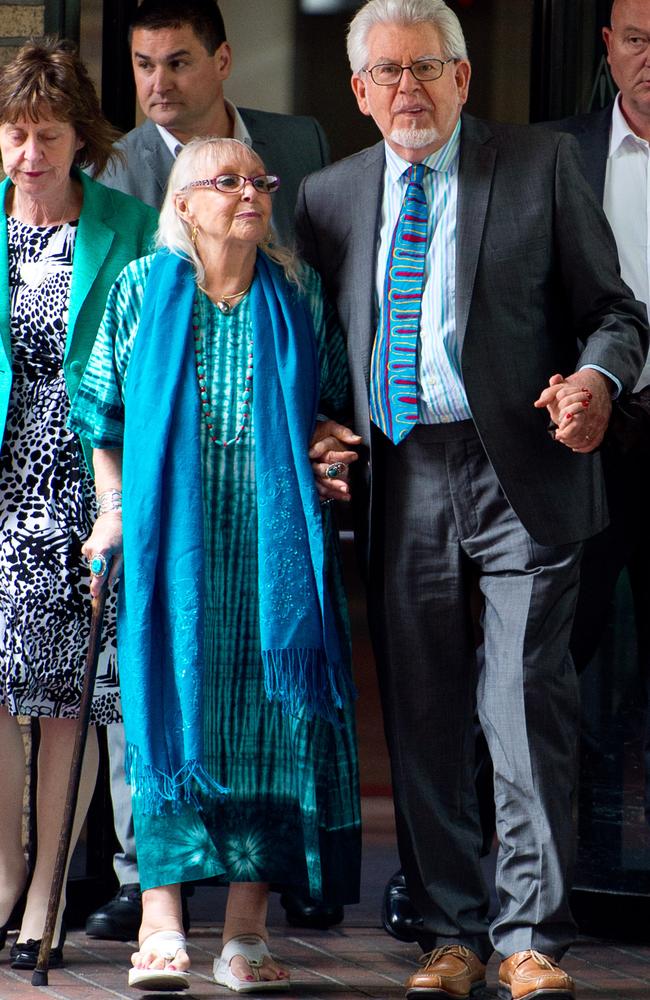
[542, 960]
[431, 957]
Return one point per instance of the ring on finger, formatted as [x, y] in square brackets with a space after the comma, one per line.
[335, 469]
[98, 565]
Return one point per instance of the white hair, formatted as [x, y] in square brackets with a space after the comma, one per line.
[404, 12]
[199, 159]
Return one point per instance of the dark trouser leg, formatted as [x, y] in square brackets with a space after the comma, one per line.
[442, 504]
[419, 600]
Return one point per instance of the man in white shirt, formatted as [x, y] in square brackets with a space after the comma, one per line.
[615, 144]
[181, 60]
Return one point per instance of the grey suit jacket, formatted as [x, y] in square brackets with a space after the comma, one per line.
[290, 146]
[592, 133]
[537, 292]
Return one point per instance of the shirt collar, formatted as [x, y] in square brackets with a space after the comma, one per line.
[444, 160]
[239, 131]
[620, 131]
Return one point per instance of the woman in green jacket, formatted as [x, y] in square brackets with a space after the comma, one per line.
[63, 240]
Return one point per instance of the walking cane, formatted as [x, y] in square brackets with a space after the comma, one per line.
[39, 976]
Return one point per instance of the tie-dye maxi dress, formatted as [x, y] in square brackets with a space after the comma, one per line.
[292, 815]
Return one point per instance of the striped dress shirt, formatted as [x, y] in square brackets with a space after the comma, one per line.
[441, 394]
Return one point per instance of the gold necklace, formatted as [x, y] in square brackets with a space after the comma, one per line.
[222, 302]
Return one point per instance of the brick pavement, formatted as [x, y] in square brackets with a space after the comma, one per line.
[347, 962]
[354, 960]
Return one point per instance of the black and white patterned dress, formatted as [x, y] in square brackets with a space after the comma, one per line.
[46, 500]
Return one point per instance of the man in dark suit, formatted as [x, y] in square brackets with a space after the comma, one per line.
[614, 144]
[181, 59]
[616, 162]
[465, 476]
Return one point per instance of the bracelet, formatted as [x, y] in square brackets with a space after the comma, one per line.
[110, 500]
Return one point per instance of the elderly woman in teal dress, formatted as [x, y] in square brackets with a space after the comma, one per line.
[200, 401]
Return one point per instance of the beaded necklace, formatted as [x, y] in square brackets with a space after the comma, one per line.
[201, 374]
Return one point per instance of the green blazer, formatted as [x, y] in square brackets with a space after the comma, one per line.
[114, 229]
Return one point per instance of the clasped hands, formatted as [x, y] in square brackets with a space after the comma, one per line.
[331, 445]
[580, 406]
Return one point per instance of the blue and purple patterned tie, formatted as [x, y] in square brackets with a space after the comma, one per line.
[393, 370]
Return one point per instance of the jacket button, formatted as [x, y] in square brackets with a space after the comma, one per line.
[75, 367]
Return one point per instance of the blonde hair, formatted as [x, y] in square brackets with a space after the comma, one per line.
[200, 158]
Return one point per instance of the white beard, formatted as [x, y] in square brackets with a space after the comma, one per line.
[414, 138]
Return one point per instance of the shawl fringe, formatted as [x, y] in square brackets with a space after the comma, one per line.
[304, 682]
[158, 791]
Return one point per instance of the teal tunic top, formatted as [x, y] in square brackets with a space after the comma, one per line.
[292, 816]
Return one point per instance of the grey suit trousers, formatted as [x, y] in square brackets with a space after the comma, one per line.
[125, 861]
[440, 523]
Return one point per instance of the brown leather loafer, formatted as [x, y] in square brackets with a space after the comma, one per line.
[452, 971]
[530, 975]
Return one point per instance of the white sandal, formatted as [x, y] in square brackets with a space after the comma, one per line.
[166, 944]
[254, 950]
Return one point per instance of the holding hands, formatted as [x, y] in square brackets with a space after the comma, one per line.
[580, 406]
[331, 454]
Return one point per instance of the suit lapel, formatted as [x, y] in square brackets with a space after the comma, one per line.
[594, 145]
[156, 157]
[92, 245]
[256, 131]
[474, 184]
[365, 209]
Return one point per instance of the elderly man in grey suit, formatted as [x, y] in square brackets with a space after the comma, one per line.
[474, 308]
[181, 59]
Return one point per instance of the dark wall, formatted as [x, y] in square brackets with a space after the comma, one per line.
[569, 70]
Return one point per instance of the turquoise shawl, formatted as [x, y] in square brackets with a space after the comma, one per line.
[160, 624]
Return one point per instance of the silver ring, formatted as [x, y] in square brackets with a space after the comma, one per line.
[335, 470]
[98, 565]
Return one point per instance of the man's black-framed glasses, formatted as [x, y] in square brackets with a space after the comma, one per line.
[235, 183]
[424, 70]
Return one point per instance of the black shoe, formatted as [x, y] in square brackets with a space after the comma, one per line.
[303, 911]
[398, 915]
[24, 954]
[120, 918]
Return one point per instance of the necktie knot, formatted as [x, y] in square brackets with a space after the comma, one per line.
[415, 173]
